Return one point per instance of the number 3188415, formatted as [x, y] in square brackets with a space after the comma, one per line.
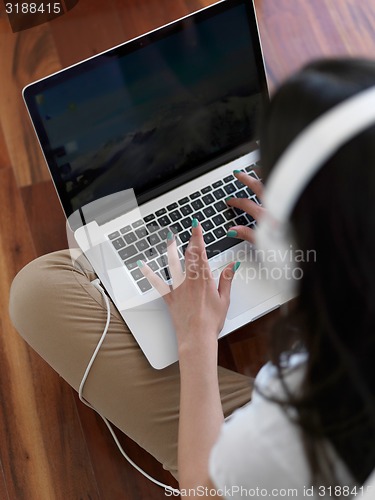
[33, 8]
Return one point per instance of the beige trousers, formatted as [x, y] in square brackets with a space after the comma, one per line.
[62, 315]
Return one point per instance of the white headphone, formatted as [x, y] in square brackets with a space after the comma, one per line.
[368, 489]
[297, 166]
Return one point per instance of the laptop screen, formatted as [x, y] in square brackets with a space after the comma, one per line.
[155, 112]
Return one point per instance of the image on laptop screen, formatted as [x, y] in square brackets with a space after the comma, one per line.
[152, 111]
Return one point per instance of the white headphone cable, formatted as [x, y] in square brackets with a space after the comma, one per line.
[96, 284]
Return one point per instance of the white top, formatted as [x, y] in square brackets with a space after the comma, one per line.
[260, 450]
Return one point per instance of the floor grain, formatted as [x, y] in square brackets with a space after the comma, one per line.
[51, 446]
[40, 456]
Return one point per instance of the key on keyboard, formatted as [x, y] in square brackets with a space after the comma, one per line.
[148, 241]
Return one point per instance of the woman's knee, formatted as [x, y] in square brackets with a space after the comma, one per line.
[35, 293]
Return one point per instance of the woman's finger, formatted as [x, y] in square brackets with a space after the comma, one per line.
[225, 281]
[250, 207]
[249, 181]
[242, 233]
[196, 263]
[154, 280]
[175, 268]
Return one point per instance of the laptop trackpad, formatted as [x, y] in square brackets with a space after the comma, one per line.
[248, 292]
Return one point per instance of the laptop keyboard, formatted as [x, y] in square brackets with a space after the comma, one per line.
[146, 239]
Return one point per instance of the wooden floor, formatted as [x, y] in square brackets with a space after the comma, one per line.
[51, 447]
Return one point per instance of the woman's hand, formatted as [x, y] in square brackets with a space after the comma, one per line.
[198, 309]
[247, 205]
[197, 306]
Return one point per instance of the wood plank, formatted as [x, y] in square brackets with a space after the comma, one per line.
[116, 478]
[354, 23]
[194, 5]
[140, 17]
[225, 356]
[45, 217]
[3, 487]
[92, 26]
[4, 157]
[42, 449]
[25, 57]
[249, 344]
[294, 33]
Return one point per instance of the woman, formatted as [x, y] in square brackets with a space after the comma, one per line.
[311, 420]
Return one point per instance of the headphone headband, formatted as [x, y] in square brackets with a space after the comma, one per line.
[295, 169]
[308, 153]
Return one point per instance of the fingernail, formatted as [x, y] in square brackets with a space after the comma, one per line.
[228, 198]
[194, 223]
[232, 233]
[170, 236]
[236, 266]
[139, 263]
[237, 171]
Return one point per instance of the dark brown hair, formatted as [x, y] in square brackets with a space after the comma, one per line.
[334, 316]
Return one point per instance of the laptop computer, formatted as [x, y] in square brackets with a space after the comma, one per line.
[145, 136]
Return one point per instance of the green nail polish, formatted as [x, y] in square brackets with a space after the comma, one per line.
[194, 223]
[237, 171]
[236, 266]
[228, 198]
[170, 236]
[232, 233]
[139, 263]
